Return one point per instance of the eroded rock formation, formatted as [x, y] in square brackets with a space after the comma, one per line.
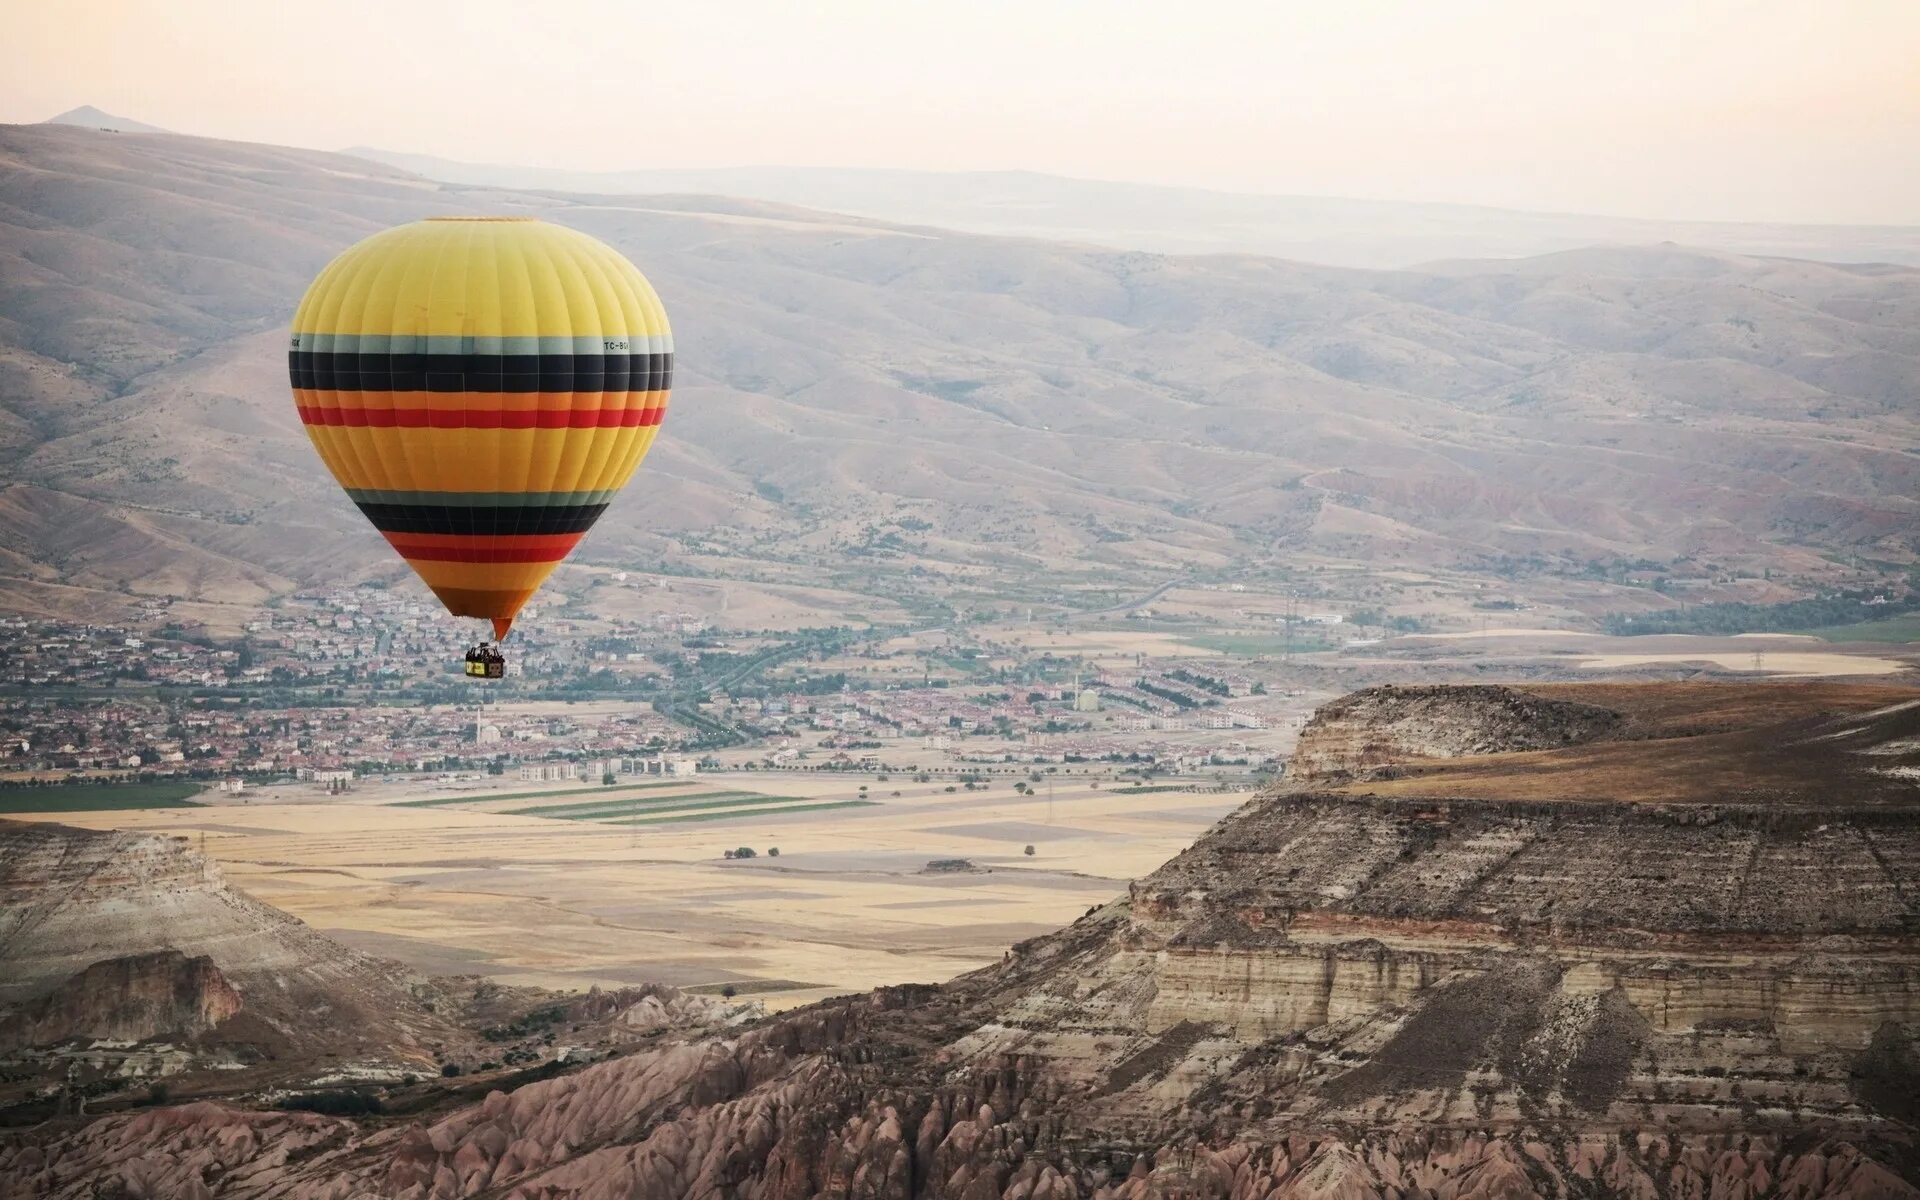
[131, 937]
[1375, 728]
[1390, 988]
[132, 998]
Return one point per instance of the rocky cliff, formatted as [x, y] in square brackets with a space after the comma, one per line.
[132, 937]
[1456, 982]
[1376, 728]
[132, 999]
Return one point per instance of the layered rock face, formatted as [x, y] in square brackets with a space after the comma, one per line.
[133, 999]
[132, 932]
[1378, 727]
[1382, 989]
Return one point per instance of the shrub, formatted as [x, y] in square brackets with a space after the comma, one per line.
[1028, 852]
[355, 1103]
[773, 852]
[449, 1070]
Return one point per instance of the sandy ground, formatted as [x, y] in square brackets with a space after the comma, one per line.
[1102, 647]
[1460, 635]
[1785, 664]
[736, 604]
[846, 905]
[1781, 655]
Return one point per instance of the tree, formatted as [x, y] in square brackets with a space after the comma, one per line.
[1028, 851]
[773, 852]
[744, 852]
[607, 779]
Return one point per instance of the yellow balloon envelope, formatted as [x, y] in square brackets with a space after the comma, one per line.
[481, 387]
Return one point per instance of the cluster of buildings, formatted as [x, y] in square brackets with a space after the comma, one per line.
[52, 653]
[338, 636]
[1037, 726]
[202, 738]
[600, 768]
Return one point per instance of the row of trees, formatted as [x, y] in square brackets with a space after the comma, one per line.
[1845, 608]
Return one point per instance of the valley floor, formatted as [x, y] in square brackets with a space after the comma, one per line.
[570, 903]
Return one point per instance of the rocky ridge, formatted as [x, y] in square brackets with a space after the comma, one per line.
[133, 998]
[82, 911]
[1343, 990]
[1374, 729]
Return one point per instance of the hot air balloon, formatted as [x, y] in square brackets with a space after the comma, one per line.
[481, 387]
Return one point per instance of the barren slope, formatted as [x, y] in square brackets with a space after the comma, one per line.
[98, 931]
[1328, 995]
[1041, 406]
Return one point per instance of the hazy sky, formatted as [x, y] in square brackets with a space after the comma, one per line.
[1727, 109]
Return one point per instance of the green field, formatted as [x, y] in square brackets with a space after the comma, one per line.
[752, 812]
[487, 797]
[1254, 645]
[99, 797]
[1139, 789]
[1893, 630]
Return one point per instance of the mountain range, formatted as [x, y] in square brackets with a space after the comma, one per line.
[862, 396]
[1335, 230]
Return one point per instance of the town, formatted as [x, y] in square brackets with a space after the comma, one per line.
[337, 685]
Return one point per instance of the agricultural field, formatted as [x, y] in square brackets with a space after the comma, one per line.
[99, 797]
[836, 897]
[1893, 630]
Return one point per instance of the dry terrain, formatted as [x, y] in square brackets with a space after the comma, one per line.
[465, 888]
[877, 411]
[1637, 968]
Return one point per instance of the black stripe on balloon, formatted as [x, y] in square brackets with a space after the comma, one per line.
[326, 371]
[501, 521]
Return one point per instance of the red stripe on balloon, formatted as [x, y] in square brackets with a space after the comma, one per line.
[483, 548]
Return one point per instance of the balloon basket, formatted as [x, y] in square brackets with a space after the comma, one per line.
[486, 662]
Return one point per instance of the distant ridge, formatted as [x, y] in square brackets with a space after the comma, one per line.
[1334, 230]
[930, 403]
[89, 117]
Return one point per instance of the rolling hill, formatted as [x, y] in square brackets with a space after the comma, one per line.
[859, 396]
[1183, 220]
